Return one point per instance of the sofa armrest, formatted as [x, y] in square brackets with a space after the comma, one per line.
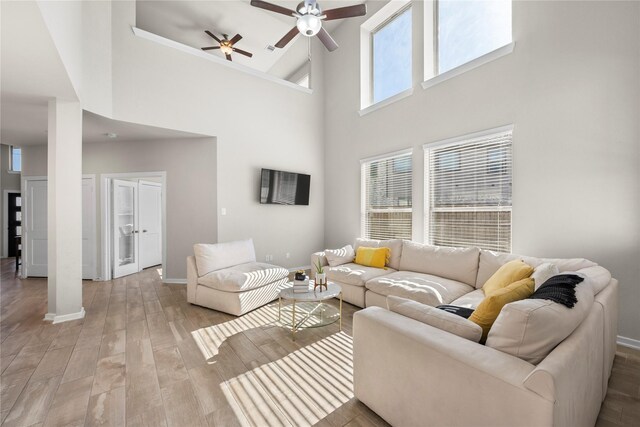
[315, 257]
[402, 363]
[192, 279]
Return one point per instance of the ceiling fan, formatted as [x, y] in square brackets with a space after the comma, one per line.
[310, 16]
[226, 45]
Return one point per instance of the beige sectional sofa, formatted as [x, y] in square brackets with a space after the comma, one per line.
[227, 278]
[542, 365]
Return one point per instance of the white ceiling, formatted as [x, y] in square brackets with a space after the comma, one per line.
[25, 46]
[185, 22]
[24, 122]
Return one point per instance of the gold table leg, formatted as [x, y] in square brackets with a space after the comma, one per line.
[293, 322]
[340, 311]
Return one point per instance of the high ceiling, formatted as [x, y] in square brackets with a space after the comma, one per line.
[185, 22]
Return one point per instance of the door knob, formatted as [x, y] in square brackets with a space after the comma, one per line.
[144, 231]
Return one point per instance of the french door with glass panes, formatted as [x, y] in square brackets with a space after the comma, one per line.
[125, 228]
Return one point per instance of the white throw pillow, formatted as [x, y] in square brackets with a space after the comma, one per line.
[544, 272]
[211, 257]
[336, 257]
[435, 317]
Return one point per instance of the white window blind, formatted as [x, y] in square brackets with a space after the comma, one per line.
[386, 197]
[468, 192]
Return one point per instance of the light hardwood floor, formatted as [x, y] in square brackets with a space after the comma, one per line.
[140, 358]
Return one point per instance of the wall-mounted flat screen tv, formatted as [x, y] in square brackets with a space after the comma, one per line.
[284, 188]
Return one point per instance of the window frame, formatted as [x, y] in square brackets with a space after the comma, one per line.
[432, 48]
[363, 187]
[372, 33]
[460, 140]
[11, 165]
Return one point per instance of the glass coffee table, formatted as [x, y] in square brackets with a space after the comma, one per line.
[310, 309]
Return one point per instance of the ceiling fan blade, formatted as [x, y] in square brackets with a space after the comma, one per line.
[272, 7]
[242, 52]
[327, 40]
[345, 12]
[235, 39]
[210, 48]
[212, 35]
[287, 38]
[228, 57]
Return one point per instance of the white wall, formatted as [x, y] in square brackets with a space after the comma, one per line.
[572, 90]
[257, 123]
[8, 181]
[190, 165]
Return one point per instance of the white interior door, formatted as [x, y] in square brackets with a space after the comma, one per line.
[35, 212]
[36, 229]
[125, 228]
[150, 223]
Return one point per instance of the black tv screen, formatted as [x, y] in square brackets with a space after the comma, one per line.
[284, 188]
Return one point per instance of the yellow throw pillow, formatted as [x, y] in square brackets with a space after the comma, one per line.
[489, 309]
[372, 257]
[507, 274]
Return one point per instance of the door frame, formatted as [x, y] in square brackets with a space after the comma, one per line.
[5, 221]
[25, 207]
[105, 218]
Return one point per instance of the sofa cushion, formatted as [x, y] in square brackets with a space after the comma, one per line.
[460, 264]
[530, 329]
[470, 300]
[211, 257]
[372, 257]
[354, 274]
[488, 310]
[424, 288]
[507, 274]
[395, 245]
[340, 256]
[243, 277]
[435, 317]
[491, 261]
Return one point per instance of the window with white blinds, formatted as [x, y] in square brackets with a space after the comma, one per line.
[386, 197]
[468, 191]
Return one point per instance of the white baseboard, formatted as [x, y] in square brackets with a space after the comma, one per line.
[175, 281]
[628, 342]
[303, 267]
[54, 318]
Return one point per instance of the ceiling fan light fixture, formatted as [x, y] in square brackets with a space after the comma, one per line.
[309, 25]
[226, 49]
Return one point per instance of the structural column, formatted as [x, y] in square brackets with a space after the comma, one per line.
[64, 216]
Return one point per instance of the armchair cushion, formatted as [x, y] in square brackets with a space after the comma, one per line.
[211, 257]
[243, 277]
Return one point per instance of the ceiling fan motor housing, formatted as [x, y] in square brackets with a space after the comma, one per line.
[309, 25]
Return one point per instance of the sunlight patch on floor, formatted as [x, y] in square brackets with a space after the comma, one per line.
[300, 389]
[210, 339]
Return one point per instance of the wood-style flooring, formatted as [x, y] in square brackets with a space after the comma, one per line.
[143, 356]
